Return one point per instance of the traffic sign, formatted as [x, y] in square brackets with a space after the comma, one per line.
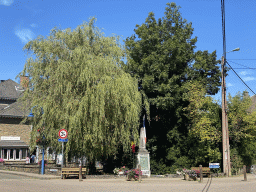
[63, 140]
[214, 165]
[63, 133]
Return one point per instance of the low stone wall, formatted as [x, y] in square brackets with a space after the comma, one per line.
[50, 169]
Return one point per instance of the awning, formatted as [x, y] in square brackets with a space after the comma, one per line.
[12, 144]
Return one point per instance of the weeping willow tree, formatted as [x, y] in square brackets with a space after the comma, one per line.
[76, 77]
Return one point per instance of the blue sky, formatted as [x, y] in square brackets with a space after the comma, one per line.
[24, 20]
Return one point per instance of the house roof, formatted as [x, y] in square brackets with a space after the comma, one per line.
[10, 90]
[14, 110]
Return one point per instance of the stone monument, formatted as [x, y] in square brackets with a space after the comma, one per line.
[143, 154]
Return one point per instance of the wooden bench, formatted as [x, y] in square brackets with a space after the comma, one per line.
[205, 170]
[72, 171]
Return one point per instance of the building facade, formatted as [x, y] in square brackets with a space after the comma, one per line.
[14, 136]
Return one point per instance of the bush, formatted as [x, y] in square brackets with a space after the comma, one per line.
[191, 173]
[133, 174]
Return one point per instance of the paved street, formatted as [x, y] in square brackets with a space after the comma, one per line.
[21, 183]
[6, 176]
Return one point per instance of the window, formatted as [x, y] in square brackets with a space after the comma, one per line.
[24, 153]
[11, 153]
[5, 153]
[17, 154]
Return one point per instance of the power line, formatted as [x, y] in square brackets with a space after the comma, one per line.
[242, 65]
[241, 78]
[244, 68]
[241, 59]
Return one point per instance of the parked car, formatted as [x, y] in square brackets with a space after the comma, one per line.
[253, 169]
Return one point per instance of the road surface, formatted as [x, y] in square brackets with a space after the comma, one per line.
[19, 183]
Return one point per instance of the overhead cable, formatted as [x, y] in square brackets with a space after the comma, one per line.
[241, 59]
[241, 78]
[242, 65]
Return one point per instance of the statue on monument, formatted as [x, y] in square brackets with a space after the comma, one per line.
[143, 155]
[143, 137]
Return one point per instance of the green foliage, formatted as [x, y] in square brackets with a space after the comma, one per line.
[203, 113]
[242, 131]
[206, 70]
[237, 161]
[76, 77]
[161, 55]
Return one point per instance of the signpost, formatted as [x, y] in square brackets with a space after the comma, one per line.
[63, 134]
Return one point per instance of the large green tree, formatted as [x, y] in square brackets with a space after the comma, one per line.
[161, 55]
[75, 76]
[204, 132]
[242, 130]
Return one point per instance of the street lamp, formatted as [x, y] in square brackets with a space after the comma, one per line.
[30, 117]
[225, 133]
[236, 49]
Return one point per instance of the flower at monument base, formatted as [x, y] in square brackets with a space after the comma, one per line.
[133, 174]
[116, 171]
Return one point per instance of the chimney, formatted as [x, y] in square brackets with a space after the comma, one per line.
[24, 80]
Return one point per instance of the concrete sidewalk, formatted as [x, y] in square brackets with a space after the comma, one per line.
[31, 175]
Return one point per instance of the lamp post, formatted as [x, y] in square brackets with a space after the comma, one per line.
[30, 117]
[225, 133]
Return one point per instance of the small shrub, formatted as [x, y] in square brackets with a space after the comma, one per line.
[191, 173]
[122, 169]
[133, 174]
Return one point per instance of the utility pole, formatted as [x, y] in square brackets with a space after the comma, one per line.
[225, 132]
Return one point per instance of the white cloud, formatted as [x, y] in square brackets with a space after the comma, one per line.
[229, 85]
[249, 78]
[33, 25]
[25, 35]
[6, 2]
[245, 73]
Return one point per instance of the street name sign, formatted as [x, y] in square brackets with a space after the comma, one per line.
[63, 140]
[214, 165]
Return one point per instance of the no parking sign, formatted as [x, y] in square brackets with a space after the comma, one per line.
[63, 133]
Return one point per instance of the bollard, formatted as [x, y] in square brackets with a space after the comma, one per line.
[139, 173]
[80, 171]
[245, 177]
[201, 173]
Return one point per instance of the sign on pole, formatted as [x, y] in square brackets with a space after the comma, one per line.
[63, 140]
[214, 165]
[63, 133]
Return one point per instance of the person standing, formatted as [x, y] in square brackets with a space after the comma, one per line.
[33, 158]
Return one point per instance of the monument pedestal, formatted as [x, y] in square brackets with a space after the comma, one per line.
[144, 161]
[143, 154]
